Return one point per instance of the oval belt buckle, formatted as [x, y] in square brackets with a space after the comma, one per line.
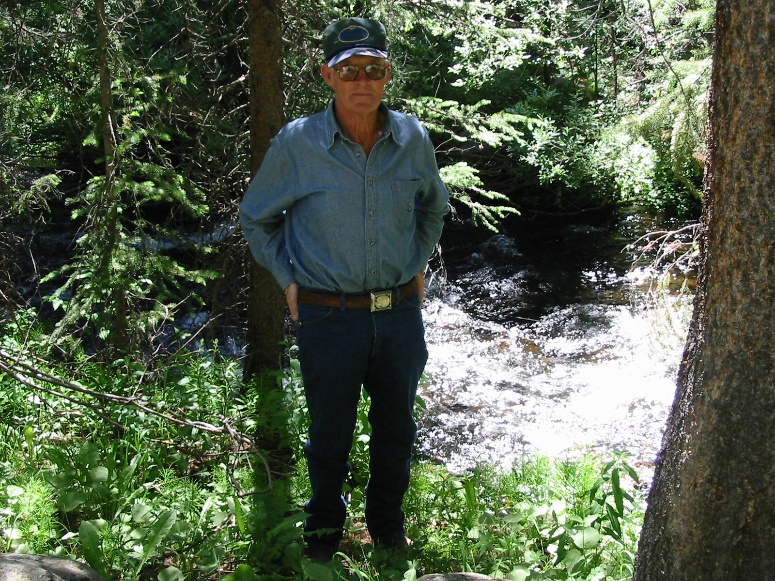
[381, 301]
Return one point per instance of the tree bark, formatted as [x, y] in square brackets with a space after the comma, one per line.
[711, 512]
[266, 308]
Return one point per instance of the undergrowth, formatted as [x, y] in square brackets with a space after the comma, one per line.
[162, 480]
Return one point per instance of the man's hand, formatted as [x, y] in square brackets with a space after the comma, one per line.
[292, 298]
[420, 278]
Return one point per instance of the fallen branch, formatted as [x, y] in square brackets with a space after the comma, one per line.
[36, 379]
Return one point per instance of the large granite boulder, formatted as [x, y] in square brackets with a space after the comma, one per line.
[15, 567]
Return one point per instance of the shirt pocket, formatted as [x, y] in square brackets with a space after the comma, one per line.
[402, 201]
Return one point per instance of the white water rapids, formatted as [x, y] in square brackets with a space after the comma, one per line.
[597, 375]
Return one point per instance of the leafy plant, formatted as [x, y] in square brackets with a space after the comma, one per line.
[28, 518]
[544, 520]
[93, 485]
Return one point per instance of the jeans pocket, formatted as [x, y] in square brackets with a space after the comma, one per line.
[311, 314]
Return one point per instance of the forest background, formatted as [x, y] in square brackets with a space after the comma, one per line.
[124, 152]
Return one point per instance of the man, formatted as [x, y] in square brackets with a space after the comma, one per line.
[345, 212]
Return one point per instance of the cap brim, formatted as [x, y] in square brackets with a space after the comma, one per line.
[357, 51]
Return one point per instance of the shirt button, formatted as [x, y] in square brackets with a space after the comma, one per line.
[371, 243]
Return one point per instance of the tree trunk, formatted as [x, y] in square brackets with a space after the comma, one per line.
[711, 512]
[266, 311]
[106, 212]
[266, 308]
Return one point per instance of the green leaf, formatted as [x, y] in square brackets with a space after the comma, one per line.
[617, 490]
[209, 558]
[140, 512]
[616, 527]
[314, 571]
[157, 534]
[486, 518]
[571, 559]
[519, 573]
[631, 471]
[128, 471]
[69, 501]
[171, 574]
[587, 538]
[239, 515]
[288, 524]
[91, 547]
[99, 474]
[470, 494]
[244, 573]
[14, 534]
[14, 491]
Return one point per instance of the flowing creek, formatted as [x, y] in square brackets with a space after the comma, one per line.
[547, 342]
[542, 341]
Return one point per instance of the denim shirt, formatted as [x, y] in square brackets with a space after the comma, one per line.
[321, 213]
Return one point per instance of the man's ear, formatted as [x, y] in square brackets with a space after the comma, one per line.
[327, 73]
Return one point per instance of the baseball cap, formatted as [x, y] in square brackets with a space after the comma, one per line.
[354, 36]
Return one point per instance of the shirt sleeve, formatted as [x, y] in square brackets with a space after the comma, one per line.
[262, 213]
[432, 204]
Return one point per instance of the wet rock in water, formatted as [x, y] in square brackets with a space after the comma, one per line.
[43, 568]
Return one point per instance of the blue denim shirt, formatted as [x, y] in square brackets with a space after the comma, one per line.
[321, 213]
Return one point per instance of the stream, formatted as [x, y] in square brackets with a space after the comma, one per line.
[547, 341]
[543, 340]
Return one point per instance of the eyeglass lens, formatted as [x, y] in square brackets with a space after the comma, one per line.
[351, 72]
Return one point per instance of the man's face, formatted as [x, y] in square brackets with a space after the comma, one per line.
[361, 96]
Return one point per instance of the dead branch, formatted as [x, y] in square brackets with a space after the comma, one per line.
[36, 379]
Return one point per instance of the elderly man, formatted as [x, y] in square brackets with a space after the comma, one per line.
[345, 212]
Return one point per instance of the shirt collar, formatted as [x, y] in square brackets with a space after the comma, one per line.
[332, 126]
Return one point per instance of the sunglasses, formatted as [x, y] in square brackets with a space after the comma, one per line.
[351, 72]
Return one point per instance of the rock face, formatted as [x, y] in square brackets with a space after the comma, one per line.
[449, 577]
[15, 567]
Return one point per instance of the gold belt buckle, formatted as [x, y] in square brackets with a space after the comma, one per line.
[381, 301]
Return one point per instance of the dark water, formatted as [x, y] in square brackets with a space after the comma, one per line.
[548, 340]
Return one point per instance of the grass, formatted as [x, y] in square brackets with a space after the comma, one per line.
[159, 483]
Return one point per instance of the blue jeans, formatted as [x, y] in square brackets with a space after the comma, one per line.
[341, 350]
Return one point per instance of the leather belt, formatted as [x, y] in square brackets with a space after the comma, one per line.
[376, 300]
